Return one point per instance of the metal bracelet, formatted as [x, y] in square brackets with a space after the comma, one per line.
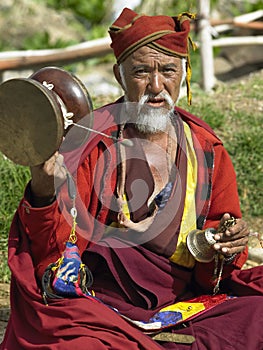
[229, 259]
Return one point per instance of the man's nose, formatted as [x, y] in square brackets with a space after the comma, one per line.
[155, 85]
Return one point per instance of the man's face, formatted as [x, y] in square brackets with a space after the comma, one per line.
[152, 81]
[149, 72]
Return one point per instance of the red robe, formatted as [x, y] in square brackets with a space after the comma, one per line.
[136, 279]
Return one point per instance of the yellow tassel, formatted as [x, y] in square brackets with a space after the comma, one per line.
[186, 14]
[188, 63]
[189, 71]
[57, 264]
[73, 236]
[188, 79]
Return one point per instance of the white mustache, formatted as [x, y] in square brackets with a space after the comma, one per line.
[163, 95]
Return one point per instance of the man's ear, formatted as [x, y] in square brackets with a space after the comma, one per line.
[116, 71]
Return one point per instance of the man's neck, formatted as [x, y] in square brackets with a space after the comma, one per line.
[160, 151]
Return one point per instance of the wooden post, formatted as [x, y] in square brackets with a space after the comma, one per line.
[206, 49]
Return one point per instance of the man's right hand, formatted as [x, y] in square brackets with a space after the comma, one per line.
[45, 177]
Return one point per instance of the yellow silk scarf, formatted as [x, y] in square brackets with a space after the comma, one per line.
[182, 256]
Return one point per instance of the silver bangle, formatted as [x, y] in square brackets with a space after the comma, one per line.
[230, 258]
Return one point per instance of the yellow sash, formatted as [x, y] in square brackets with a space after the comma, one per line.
[182, 256]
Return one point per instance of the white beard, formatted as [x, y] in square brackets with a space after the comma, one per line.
[151, 120]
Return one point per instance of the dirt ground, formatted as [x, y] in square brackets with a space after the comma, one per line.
[4, 307]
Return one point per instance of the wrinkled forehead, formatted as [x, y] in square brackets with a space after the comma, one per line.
[147, 56]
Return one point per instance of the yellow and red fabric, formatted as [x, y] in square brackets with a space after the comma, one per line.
[131, 31]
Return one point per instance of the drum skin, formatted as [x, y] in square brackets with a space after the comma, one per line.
[31, 122]
[31, 118]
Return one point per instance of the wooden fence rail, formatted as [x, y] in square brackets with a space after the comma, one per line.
[19, 60]
[34, 59]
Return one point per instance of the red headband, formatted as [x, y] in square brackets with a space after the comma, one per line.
[166, 34]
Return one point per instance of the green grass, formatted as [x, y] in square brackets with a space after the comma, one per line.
[12, 182]
[233, 110]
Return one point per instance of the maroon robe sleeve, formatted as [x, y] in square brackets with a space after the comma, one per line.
[40, 225]
[48, 228]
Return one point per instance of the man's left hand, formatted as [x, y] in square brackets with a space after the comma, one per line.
[235, 238]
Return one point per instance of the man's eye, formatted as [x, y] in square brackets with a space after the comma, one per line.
[140, 72]
[169, 70]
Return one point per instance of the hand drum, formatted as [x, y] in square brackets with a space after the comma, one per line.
[33, 111]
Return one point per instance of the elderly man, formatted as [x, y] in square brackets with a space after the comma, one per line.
[134, 208]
